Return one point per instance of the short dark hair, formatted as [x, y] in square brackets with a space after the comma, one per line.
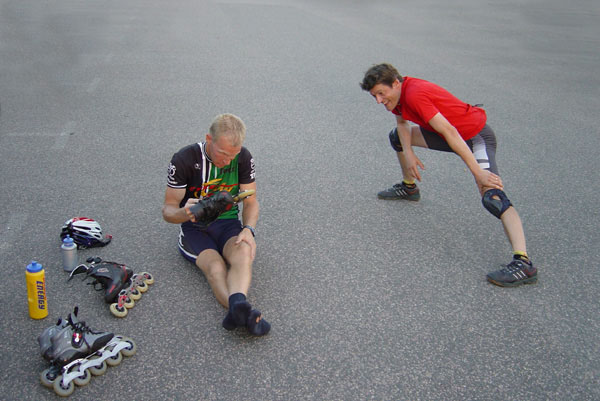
[380, 74]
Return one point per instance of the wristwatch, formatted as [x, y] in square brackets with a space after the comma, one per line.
[249, 227]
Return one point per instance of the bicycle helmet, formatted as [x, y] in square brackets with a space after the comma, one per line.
[86, 232]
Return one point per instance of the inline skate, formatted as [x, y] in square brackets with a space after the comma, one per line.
[122, 287]
[76, 352]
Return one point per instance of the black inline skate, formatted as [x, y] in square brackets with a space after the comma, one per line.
[76, 352]
[121, 286]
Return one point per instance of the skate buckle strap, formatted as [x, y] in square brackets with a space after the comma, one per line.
[82, 268]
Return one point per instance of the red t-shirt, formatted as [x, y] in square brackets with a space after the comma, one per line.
[420, 100]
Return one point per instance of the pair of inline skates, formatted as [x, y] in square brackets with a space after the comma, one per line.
[76, 352]
[121, 286]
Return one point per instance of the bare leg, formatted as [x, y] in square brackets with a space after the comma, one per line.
[518, 271]
[224, 282]
[214, 269]
[416, 140]
[514, 230]
[238, 281]
[239, 257]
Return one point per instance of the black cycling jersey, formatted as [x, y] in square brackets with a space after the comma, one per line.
[192, 169]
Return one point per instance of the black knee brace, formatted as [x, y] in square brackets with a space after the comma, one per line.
[395, 140]
[495, 206]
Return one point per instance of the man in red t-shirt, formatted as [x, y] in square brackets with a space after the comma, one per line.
[446, 123]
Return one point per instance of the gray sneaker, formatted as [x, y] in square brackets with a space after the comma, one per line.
[517, 272]
[400, 191]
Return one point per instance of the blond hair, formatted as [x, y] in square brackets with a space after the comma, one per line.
[229, 125]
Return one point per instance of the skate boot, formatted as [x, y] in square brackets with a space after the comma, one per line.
[207, 210]
[517, 272]
[77, 353]
[111, 276]
[45, 339]
[400, 191]
[121, 286]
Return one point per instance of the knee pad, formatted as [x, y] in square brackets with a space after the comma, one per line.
[395, 140]
[495, 206]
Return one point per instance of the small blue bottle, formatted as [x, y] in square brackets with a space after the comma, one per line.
[69, 254]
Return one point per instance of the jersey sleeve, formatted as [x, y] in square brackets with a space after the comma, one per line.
[246, 167]
[176, 176]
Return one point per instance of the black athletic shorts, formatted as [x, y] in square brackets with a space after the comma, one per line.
[193, 239]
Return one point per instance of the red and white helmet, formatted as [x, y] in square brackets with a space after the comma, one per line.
[86, 232]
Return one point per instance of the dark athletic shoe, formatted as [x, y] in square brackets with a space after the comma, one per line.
[515, 273]
[400, 191]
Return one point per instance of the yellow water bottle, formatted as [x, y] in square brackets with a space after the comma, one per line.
[36, 290]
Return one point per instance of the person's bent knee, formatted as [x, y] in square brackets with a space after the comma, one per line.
[395, 140]
[496, 202]
[238, 252]
[243, 250]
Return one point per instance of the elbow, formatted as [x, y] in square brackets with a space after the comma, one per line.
[165, 215]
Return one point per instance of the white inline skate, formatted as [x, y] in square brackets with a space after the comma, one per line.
[76, 352]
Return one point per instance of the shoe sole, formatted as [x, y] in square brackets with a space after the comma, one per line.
[391, 198]
[531, 280]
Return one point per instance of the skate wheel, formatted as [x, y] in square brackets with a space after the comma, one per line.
[143, 287]
[47, 379]
[148, 278]
[62, 390]
[135, 294]
[83, 380]
[131, 350]
[129, 303]
[100, 370]
[118, 312]
[114, 360]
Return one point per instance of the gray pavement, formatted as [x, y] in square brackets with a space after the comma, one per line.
[368, 299]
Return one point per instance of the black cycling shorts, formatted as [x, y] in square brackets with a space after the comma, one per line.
[193, 239]
[483, 145]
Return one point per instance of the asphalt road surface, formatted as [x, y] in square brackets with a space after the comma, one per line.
[368, 299]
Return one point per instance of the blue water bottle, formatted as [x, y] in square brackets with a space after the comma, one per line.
[69, 254]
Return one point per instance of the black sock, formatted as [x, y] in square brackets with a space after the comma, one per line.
[239, 308]
[235, 298]
[228, 323]
[259, 328]
[236, 316]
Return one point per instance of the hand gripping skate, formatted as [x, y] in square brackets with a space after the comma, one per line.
[209, 209]
[77, 352]
[122, 286]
